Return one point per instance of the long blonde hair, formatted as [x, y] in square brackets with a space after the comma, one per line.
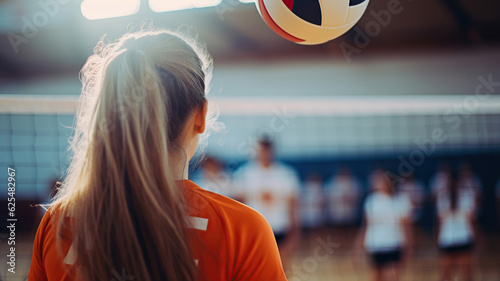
[127, 212]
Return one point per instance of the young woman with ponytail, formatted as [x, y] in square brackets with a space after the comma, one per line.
[126, 210]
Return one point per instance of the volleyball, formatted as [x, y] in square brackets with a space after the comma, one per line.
[311, 22]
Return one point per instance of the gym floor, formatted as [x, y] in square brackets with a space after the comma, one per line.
[327, 254]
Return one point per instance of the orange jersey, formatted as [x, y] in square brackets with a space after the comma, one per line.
[230, 241]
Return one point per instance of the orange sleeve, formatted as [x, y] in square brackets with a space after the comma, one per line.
[37, 268]
[258, 257]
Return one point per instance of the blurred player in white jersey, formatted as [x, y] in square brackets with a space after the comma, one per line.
[271, 187]
[311, 202]
[470, 184]
[386, 235]
[343, 195]
[439, 181]
[414, 189]
[456, 237]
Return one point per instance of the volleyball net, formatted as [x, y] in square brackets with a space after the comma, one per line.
[35, 130]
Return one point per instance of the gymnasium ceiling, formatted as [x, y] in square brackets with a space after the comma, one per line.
[234, 32]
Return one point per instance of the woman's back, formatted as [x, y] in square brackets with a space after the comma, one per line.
[221, 232]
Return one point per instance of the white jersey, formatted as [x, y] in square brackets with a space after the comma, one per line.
[384, 213]
[268, 191]
[455, 228]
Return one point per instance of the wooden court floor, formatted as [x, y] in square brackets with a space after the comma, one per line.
[349, 261]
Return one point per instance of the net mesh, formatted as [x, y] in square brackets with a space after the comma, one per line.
[37, 147]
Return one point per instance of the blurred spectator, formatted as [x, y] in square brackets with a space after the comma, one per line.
[213, 177]
[439, 181]
[311, 202]
[386, 236]
[469, 183]
[343, 196]
[271, 188]
[456, 229]
[414, 190]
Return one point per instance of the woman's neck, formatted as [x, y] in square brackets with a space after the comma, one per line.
[180, 167]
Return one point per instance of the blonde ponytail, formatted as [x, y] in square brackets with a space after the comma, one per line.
[126, 210]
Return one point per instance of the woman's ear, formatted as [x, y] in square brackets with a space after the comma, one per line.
[201, 118]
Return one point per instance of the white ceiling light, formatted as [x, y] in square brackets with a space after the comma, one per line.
[102, 9]
[175, 5]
